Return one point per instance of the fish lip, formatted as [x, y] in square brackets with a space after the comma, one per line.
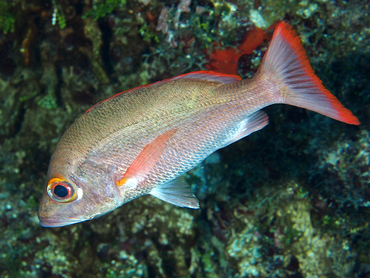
[51, 222]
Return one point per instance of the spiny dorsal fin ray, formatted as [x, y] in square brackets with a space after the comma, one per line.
[203, 75]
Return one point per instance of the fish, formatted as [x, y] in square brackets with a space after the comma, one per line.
[143, 140]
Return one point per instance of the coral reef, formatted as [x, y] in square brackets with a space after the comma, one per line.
[292, 200]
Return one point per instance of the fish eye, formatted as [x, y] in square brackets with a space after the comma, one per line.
[60, 190]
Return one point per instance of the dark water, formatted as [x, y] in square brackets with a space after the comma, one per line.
[292, 200]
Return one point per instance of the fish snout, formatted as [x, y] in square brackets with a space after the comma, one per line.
[54, 214]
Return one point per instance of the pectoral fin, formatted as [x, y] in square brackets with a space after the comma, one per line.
[176, 192]
[146, 160]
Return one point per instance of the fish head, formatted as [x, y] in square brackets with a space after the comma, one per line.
[76, 195]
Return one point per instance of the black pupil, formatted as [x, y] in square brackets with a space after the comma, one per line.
[60, 191]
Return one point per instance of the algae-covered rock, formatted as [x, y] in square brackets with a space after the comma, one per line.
[289, 201]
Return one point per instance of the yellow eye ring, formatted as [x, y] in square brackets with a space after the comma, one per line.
[61, 190]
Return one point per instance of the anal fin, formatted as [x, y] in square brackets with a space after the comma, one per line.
[176, 192]
[253, 123]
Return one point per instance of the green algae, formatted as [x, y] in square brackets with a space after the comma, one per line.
[103, 8]
[7, 18]
[47, 102]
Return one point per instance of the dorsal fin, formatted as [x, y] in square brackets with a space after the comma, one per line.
[203, 75]
[210, 76]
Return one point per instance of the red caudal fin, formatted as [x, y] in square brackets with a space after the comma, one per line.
[286, 62]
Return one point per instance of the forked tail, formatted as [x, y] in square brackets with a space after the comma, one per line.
[286, 62]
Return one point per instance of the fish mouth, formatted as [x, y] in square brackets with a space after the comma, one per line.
[50, 223]
[52, 214]
[54, 222]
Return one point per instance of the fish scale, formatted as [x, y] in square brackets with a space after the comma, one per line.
[141, 141]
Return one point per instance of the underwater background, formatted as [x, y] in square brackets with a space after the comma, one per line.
[292, 200]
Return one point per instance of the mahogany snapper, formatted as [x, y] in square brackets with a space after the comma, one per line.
[141, 141]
